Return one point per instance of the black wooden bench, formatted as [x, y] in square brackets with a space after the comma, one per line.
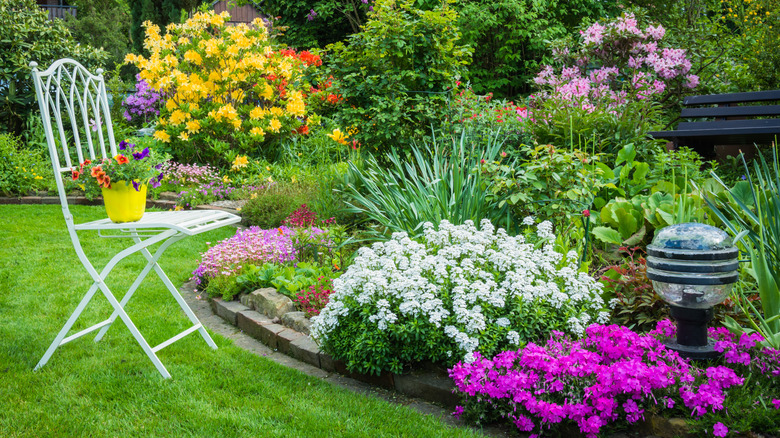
[738, 119]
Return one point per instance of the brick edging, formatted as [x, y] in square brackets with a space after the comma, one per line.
[81, 200]
[423, 385]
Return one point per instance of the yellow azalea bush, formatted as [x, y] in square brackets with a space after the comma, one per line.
[229, 89]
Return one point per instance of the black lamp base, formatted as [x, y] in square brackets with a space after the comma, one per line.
[701, 352]
[692, 340]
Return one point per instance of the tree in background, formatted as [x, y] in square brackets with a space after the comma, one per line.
[509, 37]
[105, 24]
[28, 35]
[159, 12]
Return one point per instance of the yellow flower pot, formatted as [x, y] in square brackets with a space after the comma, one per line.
[123, 203]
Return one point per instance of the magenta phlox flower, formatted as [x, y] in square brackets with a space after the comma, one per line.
[776, 403]
[609, 374]
[720, 430]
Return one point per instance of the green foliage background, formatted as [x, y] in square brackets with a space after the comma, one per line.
[26, 35]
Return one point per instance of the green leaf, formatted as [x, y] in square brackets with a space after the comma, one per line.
[607, 235]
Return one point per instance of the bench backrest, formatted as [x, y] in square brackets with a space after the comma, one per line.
[728, 105]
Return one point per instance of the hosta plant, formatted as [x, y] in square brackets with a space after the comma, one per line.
[456, 291]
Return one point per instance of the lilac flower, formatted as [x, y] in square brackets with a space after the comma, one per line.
[311, 15]
[143, 104]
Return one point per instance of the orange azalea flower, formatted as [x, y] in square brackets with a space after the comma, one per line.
[121, 159]
[96, 170]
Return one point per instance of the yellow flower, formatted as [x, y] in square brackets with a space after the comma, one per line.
[184, 136]
[178, 117]
[338, 136]
[225, 179]
[257, 132]
[193, 126]
[193, 57]
[239, 162]
[256, 113]
[275, 125]
[278, 112]
[171, 105]
[268, 92]
[296, 107]
[162, 136]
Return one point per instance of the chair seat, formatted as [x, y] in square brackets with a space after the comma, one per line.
[189, 222]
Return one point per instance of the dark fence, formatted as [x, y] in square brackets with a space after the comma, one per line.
[56, 11]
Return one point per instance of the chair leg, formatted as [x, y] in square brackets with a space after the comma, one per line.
[99, 282]
[134, 331]
[66, 328]
[136, 283]
[176, 295]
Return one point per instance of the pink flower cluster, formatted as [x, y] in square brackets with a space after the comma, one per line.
[301, 218]
[315, 298]
[632, 64]
[250, 246]
[189, 174]
[609, 374]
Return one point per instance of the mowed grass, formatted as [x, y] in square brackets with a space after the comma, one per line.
[110, 388]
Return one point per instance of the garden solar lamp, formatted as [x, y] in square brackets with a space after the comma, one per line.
[693, 267]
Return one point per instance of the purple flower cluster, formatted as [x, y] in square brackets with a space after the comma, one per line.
[609, 374]
[250, 246]
[143, 104]
[625, 55]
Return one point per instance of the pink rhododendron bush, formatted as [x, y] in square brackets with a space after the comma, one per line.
[456, 292]
[610, 86]
[610, 375]
[632, 62]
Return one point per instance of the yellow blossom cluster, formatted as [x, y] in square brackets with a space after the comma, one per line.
[223, 85]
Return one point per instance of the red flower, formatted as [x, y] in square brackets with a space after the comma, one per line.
[586, 213]
[121, 159]
[75, 174]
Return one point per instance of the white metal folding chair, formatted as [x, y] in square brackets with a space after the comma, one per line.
[72, 102]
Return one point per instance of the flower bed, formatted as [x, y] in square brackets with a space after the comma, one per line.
[457, 292]
[612, 374]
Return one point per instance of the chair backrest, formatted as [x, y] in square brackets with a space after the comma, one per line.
[76, 119]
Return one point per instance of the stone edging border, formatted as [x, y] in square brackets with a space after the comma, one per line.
[81, 200]
[425, 385]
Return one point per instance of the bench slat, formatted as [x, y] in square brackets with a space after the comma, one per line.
[731, 111]
[725, 125]
[753, 96]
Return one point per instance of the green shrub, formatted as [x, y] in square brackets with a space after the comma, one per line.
[267, 208]
[28, 35]
[21, 169]
[394, 76]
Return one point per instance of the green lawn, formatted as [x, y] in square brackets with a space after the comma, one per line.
[111, 388]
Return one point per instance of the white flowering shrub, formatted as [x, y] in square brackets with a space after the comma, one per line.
[458, 291]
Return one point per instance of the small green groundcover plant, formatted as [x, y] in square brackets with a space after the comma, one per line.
[453, 292]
